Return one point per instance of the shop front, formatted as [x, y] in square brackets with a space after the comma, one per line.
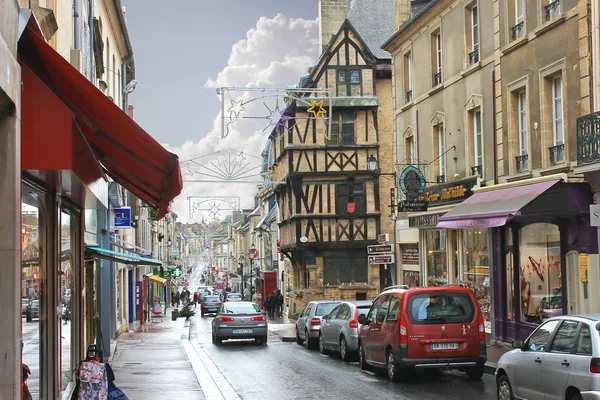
[73, 139]
[544, 250]
[451, 255]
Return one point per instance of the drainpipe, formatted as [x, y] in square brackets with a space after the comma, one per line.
[494, 127]
[77, 24]
[127, 62]
[91, 25]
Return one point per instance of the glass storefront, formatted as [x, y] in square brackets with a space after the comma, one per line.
[510, 282]
[476, 268]
[412, 278]
[437, 263]
[66, 274]
[540, 272]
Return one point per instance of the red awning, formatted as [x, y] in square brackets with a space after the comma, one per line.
[123, 149]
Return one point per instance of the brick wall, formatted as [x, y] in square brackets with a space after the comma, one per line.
[332, 14]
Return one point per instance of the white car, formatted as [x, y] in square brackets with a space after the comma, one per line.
[560, 360]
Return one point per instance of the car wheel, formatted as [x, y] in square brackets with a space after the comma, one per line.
[307, 342]
[201, 314]
[475, 373]
[576, 396]
[344, 354]
[504, 389]
[298, 339]
[322, 348]
[264, 340]
[218, 341]
[258, 341]
[362, 362]
[392, 367]
[214, 340]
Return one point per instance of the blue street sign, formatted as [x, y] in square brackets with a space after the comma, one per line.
[122, 217]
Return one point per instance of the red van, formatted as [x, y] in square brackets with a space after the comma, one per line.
[424, 328]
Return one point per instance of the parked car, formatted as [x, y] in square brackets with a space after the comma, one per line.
[34, 309]
[339, 329]
[239, 320]
[559, 360]
[233, 297]
[424, 328]
[210, 305]
[309, 321]
[24, 304]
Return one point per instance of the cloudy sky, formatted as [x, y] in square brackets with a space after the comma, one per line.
[184, 50]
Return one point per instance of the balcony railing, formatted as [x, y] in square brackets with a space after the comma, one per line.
[440, 178]
[522, 162]
[409, 96]
[437, 79]
[588, 139]
[477, 170]
[474, 57]
[517, 30]
[557, 153]
[552, 10]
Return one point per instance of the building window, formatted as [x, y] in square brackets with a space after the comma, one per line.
[345, 270]
[348, 82]
[522, 158]
[409, 150]
[353, 193]
[477, 138]
[473, 35]
[518, 28]
[408, 78]
[114, 78]
[557, 151]
[440, 140]
[540, 272]
[552, 9]
[107, 67]
[342, 129]
[437, 266]
[437, 58]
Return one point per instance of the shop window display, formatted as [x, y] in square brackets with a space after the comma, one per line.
[66, 286]
[510, 282]
[476, 270]
[540, 272]
[412, 278]
[437, 267]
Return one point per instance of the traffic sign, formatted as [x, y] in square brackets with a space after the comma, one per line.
[379, 249]
[382, 259]
[383, 238]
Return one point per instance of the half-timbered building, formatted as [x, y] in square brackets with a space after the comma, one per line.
[332, 205]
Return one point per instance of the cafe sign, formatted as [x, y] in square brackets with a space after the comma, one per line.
[448, 193]
[412, 182]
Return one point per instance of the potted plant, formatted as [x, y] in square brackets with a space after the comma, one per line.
[187, 311]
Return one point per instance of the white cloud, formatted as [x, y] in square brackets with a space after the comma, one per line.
[274, 54]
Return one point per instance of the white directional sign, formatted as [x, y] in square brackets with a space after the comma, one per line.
[382, 259]
[595, 214]
[379, 249]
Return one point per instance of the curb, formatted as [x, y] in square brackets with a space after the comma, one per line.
[186, 331]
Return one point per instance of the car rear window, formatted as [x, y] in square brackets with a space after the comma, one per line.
[363, 310]
[324, 309]
[241, 308]
[435, 308]
[212, 300]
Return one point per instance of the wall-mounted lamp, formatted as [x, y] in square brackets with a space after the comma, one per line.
[372, 163]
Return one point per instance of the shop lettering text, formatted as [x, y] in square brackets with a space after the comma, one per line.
[449, 193]
[424, 220]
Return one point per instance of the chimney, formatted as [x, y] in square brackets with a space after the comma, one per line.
[332, 14]
[402, 12]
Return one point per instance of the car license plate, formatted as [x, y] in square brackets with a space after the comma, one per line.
[444, 346]
[242, 331]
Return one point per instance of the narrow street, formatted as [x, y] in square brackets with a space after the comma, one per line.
[283, 370]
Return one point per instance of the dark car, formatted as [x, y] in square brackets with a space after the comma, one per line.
[239, 320]
[210, 305]
[24, 305]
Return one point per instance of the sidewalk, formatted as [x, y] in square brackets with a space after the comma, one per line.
[151, 363]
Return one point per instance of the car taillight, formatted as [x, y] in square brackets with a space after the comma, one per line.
[225, 319]
[481, 328]
[354, 322]
[403, 335]
[259, 318]
[595, 365]
[315, 321]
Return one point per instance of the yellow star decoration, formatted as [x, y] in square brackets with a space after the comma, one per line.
[236, 107]
[316, 111]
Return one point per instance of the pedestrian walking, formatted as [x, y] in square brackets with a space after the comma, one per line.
[196, 298]
[279, 303]
[257, 299]
[268, 308]
[173, 298]
[176, 298]
[246, 294]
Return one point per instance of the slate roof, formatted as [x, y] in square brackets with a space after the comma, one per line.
[374, 22]
[417, 12]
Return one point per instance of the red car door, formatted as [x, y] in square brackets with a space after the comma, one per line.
[378, 334]
[368, 331]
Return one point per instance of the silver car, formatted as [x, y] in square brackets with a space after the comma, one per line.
[339, 329]
[309, 321]
[239, 320]
[559, 360]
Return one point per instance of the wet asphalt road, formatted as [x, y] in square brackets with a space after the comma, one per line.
[288, 371]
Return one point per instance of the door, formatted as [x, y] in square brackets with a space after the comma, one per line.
[377, 334]
[527, 364]
[390, 329]
[342, 319]
[558, 362]
[327, 325]
[302, 320]
[367, 331]
[579, 375]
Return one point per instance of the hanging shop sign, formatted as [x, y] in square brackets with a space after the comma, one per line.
[448, 193]
[412, 206]
[412, 182]
[122, 217]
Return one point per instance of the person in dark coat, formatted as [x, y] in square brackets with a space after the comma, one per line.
[176, 298]
[269, 306]
[279, 304]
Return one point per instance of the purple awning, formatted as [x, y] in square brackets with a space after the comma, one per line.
[493, 208]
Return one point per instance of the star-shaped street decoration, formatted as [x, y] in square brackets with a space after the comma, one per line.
[236, 107]
[316, 108]
[238, 159]
[221, 159]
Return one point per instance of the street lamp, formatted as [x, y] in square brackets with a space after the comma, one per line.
[251, 263]
[372, 163]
